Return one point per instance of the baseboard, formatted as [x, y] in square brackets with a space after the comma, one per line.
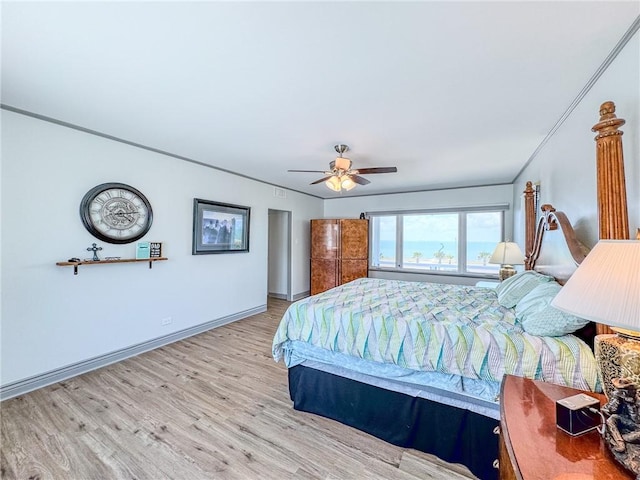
[21, 387]
[299, 296]
[279, 296]
[296, 297]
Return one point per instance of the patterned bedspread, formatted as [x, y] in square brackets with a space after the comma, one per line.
[423, 326]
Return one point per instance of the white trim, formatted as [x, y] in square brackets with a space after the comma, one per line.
[301, 295]
[279, 296]
[468, 209]
[628, 35]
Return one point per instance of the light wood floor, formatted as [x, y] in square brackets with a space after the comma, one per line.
[214, 406]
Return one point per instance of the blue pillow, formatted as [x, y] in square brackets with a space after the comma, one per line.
[538, 317]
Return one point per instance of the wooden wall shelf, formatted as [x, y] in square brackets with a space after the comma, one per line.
[75, 265]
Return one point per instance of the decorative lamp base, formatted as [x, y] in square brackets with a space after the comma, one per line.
[505, 272]
[622, 430]
[618, 359]
[617, 356]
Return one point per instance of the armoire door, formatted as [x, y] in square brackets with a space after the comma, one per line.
[324, 238]
[324, 274]
[352, 269]
[354, 239]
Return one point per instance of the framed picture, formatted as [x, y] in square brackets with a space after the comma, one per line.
[219, 227]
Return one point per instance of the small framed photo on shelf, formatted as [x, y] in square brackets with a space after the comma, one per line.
[142, 250]
[155, 249]
[219, 227]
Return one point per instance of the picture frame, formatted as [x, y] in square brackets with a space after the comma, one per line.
[219, 227]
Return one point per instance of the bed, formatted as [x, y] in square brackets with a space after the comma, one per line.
[419, 364]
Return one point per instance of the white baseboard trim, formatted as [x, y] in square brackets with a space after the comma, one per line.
[280, 296]
[29, 384]
[296, 297]
[299, 296]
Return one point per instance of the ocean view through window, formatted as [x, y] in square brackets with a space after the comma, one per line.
[449, 241]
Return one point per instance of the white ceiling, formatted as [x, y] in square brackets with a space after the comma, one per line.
[452, 93]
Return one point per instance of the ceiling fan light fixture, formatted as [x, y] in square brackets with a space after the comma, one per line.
[341, 176]
[334, 184]
[347, 183]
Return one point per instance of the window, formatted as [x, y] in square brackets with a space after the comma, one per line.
[445, 241]
[383, 244]
[430, 242]
[484, 231]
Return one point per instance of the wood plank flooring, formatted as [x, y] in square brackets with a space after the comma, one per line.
[214, 406]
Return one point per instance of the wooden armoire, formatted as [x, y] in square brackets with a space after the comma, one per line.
[339, 252]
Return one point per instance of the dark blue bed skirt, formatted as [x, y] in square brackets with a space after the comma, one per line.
[452, 434]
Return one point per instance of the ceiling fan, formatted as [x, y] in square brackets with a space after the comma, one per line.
[341, 176]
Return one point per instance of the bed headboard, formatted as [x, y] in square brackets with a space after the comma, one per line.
[551, 246]
[556, 251]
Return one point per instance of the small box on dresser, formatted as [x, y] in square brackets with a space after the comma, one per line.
[574, 414]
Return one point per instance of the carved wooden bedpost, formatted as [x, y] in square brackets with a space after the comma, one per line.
[612, 193]
[529, 224]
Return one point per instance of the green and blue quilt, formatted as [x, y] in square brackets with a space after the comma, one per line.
[429, 327]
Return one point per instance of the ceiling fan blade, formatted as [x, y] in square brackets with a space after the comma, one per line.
[321, 180]
[359, 180]
[367, 171]
[308, 171]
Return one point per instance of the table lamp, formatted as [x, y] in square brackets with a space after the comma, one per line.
[606, 289]
[507, 254]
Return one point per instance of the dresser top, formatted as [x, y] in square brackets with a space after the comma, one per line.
[538, 448]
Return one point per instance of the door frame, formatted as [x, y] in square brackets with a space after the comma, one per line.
[286, 251]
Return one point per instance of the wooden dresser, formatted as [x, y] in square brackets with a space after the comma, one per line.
[339, 252]
[533, 448]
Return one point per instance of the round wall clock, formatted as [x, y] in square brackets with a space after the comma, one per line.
[116, 213]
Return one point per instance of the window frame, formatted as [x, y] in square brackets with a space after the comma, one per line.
[462, 213]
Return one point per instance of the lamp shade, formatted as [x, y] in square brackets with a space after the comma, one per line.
[606, 286]
[507, 253]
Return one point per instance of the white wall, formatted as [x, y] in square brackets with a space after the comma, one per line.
[51, 318]
[566, 166]
[457, 197]
[278, 253]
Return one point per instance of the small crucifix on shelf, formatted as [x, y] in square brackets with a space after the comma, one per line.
[94, 248]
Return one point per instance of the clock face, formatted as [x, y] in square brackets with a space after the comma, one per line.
[116, 213]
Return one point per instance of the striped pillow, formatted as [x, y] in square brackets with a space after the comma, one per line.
[514, 288]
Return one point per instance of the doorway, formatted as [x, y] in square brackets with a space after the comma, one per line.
[279, 255]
